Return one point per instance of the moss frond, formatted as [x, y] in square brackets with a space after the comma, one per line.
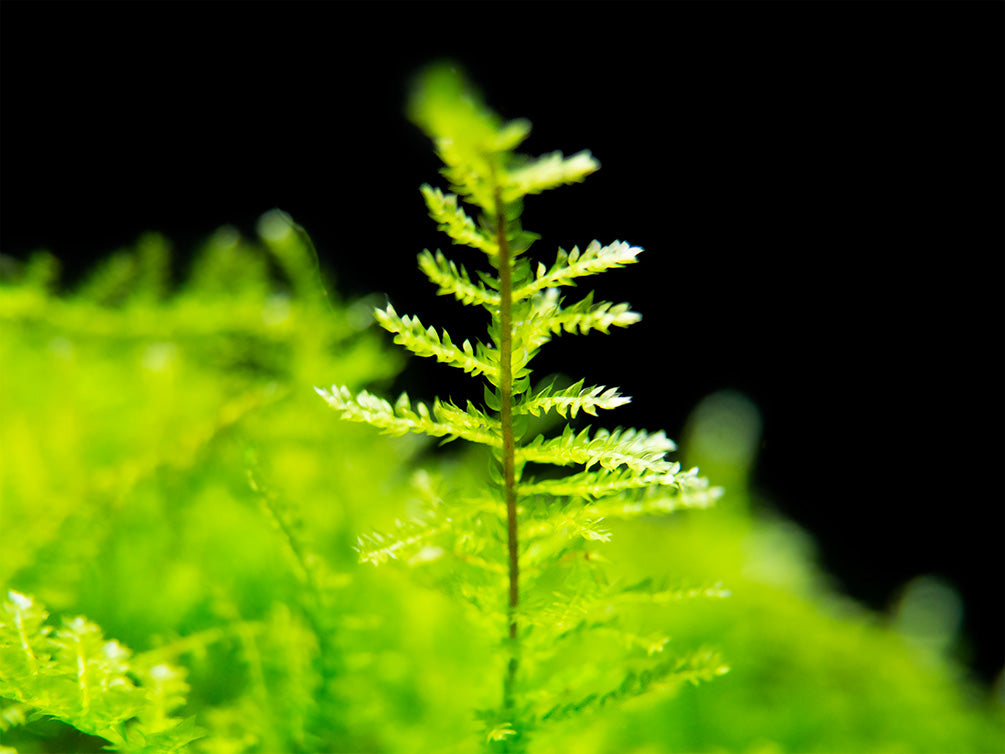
[454, 221]
[636, 449]
[72, 673]
[547, 172]
[442, 420]
[575, 264]
[571, 400]
[422, 341]
[453, 280]
[506, 542]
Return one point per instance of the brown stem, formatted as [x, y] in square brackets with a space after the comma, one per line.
[508, 441]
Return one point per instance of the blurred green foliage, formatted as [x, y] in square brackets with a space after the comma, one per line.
[812, 671]
[134, 411]
[167, 472]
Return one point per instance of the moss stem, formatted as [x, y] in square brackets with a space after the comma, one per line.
[508, 441]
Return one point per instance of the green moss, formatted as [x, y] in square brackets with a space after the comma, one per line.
[165, 471]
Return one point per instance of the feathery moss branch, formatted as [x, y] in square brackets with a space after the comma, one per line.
[526, 526]
[72, 673]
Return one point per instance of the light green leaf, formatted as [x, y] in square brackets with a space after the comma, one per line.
[643, 595]
[688, 492]
[574, 264]
[74, 674]
[422, 341]
[634, 448]
[547, 172]
[454, 280]
[500, 732]
[378, 547]
[571, 400]
[454, 221]
[443, 420]
[600, 483]
[701, 665]
[549, 317]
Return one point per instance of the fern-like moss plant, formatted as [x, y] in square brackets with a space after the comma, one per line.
[73, 674]
[522, 550]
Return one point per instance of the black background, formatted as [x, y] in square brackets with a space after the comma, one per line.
[818, 187]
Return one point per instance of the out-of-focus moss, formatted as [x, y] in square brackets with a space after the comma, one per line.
[811, 671]
[132, 410]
